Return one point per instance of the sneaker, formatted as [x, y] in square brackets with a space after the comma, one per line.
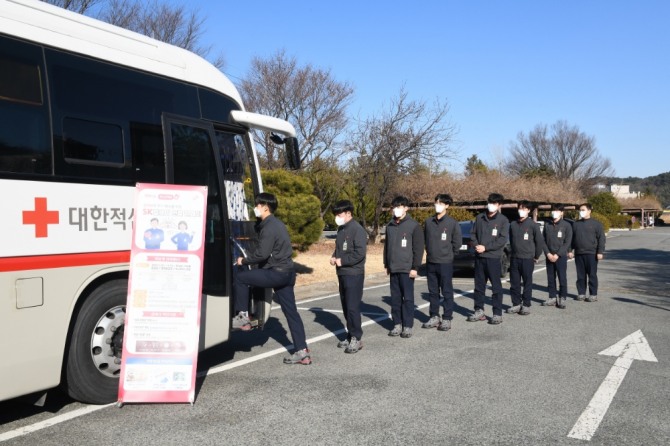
[445, 325]
[561, 303]
[433, 322]
[241, 321]
[514, 309]
[343, 344]
[478, 315]
[396, 330]
[354, 345]
[592, 299]
[300, 357]
[581, 297]
[550, 302]
[496, 319]
[524, 311]
[406, 332]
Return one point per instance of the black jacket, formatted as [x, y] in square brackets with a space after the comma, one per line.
[273, 250]
[443, 239]
[482, 233]
[399, 256]
[350, 247]
[588, 237]
[557, 237]
[525, 238]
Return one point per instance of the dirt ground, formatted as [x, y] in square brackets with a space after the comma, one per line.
[314, 266]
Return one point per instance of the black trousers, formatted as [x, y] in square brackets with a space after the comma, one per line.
[487, 269]
[559, 269]
[351, 294]
[587, 266]
[402, 299]
[282, 283]
[440, 279]
[521, 270]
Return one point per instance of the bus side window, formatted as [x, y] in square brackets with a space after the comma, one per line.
[146, 141]
[25, 145]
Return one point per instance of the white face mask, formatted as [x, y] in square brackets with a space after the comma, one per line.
[339, 221]
[398, 212]
[523, 213]
[258, 212]
[439, 208]
[492, 207]
[556, 215]
[582, 214]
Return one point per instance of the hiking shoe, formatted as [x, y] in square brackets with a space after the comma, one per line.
[445, 325]
[343, 344]
[406, 332]
[396, 330]
[549, 302]
[433, 322]
[241, 321]
[478, 315]
[354, 345]
[592, 299]
[514, 309]
[300, 357]
[561, 303]
[581, 297]
[496, 319]
[524, 311]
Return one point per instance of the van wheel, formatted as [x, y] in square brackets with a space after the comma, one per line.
[93, 363]
[504, 265]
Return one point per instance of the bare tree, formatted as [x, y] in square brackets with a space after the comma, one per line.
[407, 134]
[79, 6]
[565, 152]
[308, 97]
[170, 23]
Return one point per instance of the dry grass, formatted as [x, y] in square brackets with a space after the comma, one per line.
[314, 266]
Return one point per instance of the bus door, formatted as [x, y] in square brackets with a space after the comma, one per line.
[195, 155]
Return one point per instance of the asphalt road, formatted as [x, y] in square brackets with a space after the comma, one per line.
[525, 382]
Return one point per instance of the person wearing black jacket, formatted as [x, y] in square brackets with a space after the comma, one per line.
[557, 246]
[588, 242]
[273, 255]
[403, 252]
[349, 261]
[489, 236]
[527, 245]
[443, 241]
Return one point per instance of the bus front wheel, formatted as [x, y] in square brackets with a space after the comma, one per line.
[93, 363]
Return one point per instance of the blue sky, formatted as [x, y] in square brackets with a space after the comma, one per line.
[503, 66]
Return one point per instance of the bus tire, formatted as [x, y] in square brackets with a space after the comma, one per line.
[93, 363]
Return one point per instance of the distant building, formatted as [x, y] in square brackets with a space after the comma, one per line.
[622, 191]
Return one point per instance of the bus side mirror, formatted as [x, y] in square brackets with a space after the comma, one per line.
[292, 153]
[291, 149]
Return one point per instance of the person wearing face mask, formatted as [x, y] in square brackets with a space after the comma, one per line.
[557, 246]
[527, 245]
[443, 241]
[403, 252]
[349, 261]
[588, 243]
[273, 256]
[489, 235]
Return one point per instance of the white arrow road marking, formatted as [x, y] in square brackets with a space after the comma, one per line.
[630, 348]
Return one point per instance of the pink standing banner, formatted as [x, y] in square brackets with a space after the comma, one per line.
[162, 329]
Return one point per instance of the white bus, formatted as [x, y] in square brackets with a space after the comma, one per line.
[87, 110]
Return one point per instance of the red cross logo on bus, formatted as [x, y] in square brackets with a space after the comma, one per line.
[40, 217]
